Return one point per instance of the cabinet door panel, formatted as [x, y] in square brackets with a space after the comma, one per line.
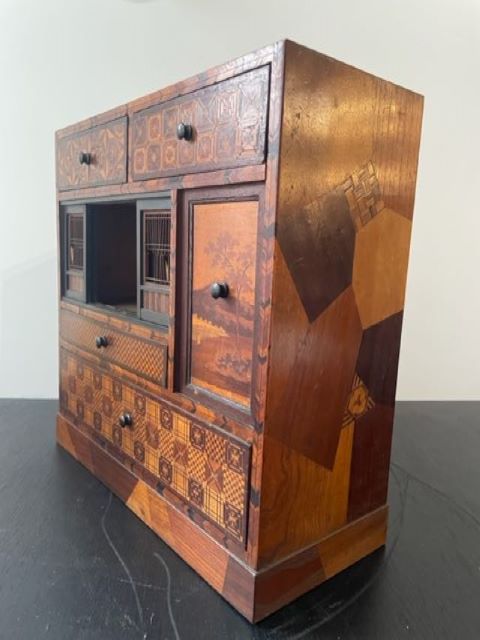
[224, 236]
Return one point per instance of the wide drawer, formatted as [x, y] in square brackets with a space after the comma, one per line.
[94, 157]
[228, 121]
[207, 468]
[146, 358]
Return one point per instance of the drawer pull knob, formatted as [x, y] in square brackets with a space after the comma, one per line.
[184, 131]
[125, 420]
[219, 290]
[101, 341]
[85, 158]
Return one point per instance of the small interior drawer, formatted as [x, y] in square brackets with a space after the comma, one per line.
[141, 356]
[97, 156]
[224, 126]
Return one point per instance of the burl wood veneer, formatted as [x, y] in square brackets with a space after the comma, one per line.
[241, 402]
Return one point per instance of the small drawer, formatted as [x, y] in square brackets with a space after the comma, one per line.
[224, 126]
[202, 465]
[146, 358]
[94, 157]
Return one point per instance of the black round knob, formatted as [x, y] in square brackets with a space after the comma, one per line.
[184, 131]
[101, 341]
[219, 290]
[125, 420]
[84, 158]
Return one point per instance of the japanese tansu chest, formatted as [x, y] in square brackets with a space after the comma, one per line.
[233, 255]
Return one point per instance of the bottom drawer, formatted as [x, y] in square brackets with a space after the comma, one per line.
[208, 469]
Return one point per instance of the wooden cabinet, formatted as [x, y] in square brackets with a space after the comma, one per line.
[232, 294]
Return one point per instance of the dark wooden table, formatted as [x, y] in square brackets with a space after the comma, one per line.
[75, 563]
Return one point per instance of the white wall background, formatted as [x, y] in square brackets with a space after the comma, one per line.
[64, 60]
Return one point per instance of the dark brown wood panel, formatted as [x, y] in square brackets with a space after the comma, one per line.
[229, 122]
[107, 146]
[370, 461]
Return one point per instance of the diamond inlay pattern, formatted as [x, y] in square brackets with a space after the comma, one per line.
[107, 145]
[143, 357]
[207, 469]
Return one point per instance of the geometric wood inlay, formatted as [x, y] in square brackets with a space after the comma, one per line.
[209, 470]
[229, 121]
[145, 358]
[107, 145]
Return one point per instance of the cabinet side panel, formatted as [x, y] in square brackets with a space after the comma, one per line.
[348, 164]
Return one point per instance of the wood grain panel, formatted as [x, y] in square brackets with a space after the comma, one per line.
[397, 129]
[281, 583]
[370, 461]
[380, 266]
[378, 357]
[312, 367]
[288, 519]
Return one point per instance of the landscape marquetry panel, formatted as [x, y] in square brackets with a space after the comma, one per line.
[207, 469]
[222, 330]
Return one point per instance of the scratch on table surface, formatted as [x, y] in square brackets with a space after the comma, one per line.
[440, 493]
[121, 560]
[169, 595]
[144, 585]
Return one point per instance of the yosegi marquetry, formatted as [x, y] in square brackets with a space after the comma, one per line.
[205, 467]
[338, 292]
[242, 406]
[229, 122]
[107, 145]
[144, 357]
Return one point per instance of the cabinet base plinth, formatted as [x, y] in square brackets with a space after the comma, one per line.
[255, 594]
